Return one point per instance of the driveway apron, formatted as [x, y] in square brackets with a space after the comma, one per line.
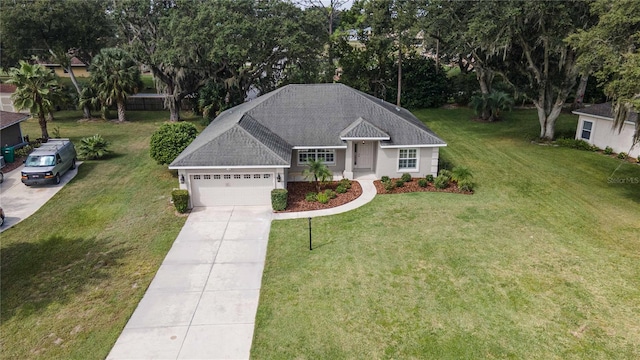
[203, 300]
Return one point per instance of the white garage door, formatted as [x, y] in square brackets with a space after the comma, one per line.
[232, 189]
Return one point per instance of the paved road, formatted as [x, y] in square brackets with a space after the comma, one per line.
[20, 201]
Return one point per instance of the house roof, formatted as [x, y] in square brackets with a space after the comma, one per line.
[263, 131]
[605, 110]
[10, 118]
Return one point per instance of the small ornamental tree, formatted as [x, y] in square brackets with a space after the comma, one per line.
[317, 172]
[170, 139]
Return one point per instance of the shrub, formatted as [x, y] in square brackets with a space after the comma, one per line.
[170, 139]
[429, 178]
[445, 172]
[466, 185]
[346, 183]
[279, 199]
[399, 183]
[180, 200]
[93, 148]
[622, 155]
[576, 144]
[385, 179]
[461, 173]
[406, 177]
[441, 182]
[23, 151]
[311, 197]
[330, 194]
[608, 150]
[341, 189]
[423, 182]
[323, 198]
[388, 185]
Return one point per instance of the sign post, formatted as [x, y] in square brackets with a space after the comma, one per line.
[310, 247]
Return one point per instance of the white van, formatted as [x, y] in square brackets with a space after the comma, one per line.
[46, 164]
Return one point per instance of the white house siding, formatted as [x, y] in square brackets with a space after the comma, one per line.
[603, 134]
[295, 171]
[387, 162]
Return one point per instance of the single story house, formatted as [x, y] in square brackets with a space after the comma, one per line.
[10, 131]
[80, 69]
[6, 103]
[260, 145]
[595, 126]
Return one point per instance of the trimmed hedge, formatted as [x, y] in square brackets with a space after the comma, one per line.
[180, 200]
[279, 199]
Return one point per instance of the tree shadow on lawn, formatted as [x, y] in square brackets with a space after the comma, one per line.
[36, 274]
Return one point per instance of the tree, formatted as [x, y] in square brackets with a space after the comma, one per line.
[330, 9]
[36, 91]
[611, 50]
[114, 76]
[491, 104]
[170, 139]
[56, 30]
[317, 172]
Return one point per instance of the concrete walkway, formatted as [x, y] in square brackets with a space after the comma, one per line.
[203, 300]
[20, 201]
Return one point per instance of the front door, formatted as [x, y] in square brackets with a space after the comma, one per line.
[363, 155]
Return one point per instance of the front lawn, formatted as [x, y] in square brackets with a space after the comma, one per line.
[73, 272]
[541, 262]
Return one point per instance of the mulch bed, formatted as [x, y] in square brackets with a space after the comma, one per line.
[14, 165]
[412, 186]
[298, 190]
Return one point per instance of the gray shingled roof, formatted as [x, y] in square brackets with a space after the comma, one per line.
[263, 131]
[10, 118]
[362, 129]
[604, 110]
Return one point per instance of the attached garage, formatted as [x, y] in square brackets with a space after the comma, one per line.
[209, 189]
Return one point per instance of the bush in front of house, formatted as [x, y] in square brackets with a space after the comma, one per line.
[406, 177]
[311, 197]
[399, 183]
[279, 199]
[429, 178]
[466, 185]
[340, 189]
[93, 148]
[623, 155]
[180, 200]
[576, 144]
[170, 139]
[322, 197]
[607, 150]
[423, 183]
[330, 194]
[385, 179]
[441, 182]
[346, 183]
[445, 172]
[461, 173]
[388, 185]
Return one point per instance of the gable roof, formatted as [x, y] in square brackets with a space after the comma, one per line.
[604, 110]
[10, 118]
[263, 131]
[362, 129]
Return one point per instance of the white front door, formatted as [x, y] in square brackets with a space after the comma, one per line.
[363, 154]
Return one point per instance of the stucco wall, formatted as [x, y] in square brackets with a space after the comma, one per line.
[603, 134]
[387, 163]
[295, 171]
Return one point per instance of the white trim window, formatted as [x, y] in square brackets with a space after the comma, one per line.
[327, 156]
[408, 159]
[587, 127]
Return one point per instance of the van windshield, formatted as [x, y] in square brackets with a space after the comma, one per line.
[44, 160]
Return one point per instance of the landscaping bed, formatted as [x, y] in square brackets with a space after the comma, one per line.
[298, 191]
[412, 186]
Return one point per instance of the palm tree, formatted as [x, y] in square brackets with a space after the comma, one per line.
[488, 106]
[36, 91]
[114, 76]
[316, 170]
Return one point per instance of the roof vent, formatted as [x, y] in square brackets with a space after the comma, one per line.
[397, 108]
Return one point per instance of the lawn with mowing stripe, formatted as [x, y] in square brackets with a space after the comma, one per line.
[541, 263]
[73, 272]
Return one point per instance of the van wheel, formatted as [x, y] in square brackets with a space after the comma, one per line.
[57, 179]
[1, 177]
[73, 164]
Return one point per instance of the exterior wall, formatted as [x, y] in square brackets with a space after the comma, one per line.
[603, 134]
[387, 163]
[11, 135]
[6, 104]
[295, 171]
[78, 71]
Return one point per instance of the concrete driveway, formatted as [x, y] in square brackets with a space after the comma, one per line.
[203, 300]
[20, 201]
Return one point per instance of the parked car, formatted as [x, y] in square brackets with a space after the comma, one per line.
[47, 164]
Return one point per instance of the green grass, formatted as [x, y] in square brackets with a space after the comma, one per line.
[73, 272]
[542, 262]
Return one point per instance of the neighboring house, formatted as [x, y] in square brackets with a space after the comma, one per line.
[80, 69]
[595, 126]
[6, 104]
[255, 147]
[10, 132]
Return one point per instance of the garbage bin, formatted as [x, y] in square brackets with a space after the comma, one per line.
[8, 154]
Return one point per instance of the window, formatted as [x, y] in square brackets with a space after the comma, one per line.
[266, 176]
[327, 156]
[408, 159]
[586, 130]
[207, 177]
[216, 177]
[227, 177]
[256, 176]
[196, 177]
[236, 176]
[247, 176]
